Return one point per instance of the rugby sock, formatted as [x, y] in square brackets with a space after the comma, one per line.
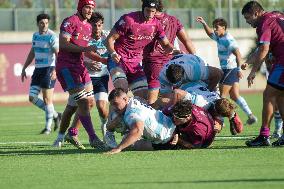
[55, 113]
[60, 136]
[103, 125]
[48, 116]
[264, 131]
[73, 131]
[243, 105]
[39, 103]
[278, 121]
[87, 124]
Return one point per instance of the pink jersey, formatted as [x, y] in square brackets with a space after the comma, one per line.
[155, 52]
[80, 34]
[200, 130]
[271, 30]
[135, 34]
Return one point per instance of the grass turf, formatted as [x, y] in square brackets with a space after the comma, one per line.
[28, 161]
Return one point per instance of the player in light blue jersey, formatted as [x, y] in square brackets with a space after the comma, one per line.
[184, 68]
[230, 62]
[44, 50]
[141, 121]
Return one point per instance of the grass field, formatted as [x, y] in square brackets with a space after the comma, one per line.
[28, 160]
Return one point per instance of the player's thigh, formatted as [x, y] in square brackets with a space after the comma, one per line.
[224, 90]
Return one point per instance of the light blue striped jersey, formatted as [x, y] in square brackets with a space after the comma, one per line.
[195, 69]
[102, 51]
[44, 46]
[158, 128]
[226, 45]
[199, 94]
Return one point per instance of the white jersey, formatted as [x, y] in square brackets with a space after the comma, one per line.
[158, 128]
[44, 46]
[199, 94]
[226, 45]
[195, 69]
[102, 51]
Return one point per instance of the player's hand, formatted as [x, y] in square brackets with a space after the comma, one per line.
[113, 151]
[175, 140]
[23, 75]
[240, 74]
[53, 75]
[217, 127]
[94, 66]
[250, 78]
[115, 57]
[244, 66]
[200, 19]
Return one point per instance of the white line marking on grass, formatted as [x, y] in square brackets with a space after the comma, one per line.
[41, 142]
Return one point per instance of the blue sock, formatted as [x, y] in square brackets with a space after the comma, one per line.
[48, 116]
[244, 106]
[39, 103]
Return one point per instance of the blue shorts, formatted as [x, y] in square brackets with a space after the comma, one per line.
[230, 77]
[42, 78]
[276, 77]
[100, 84]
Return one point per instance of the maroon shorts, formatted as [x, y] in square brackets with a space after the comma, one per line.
[152, 69]
[72, 76]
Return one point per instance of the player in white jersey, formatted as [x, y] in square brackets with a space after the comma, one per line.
[184, 68]
[44, 50]
[199, 95]
[141, 120]
[230, 61]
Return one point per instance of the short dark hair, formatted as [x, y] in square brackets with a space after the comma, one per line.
[182, 109]
[174, 73]
[150, 3]
[42, 16]
[220, 22]
[252, 7]
[96, 16]
[160, 6]
[117, 92]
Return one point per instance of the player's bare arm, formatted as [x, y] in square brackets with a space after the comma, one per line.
[186, 41]
[238, 55]
[209, 31]
[66, 45]
[113, 35]
[29, 60]
[134, 134]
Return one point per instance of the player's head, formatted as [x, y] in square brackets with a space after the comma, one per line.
[174, 74]
[118, 100]
[97, 22]
[224, 107]
[160, 6]
[85, 8]
[149, 8]
[252, 11]
[219, 26]
[42, 21]
[182, 112]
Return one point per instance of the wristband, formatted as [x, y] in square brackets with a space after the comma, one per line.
[113, 53]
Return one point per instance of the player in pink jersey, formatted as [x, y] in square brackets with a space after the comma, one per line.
[126, 43]
[269, 28]
[75, 33]
[154, 56]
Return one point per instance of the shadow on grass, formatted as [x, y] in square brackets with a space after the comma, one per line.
[203, 181]
[40, 151]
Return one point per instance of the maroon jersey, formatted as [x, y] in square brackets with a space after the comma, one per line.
[80, 34]
[200, 130]
[271, 30]
[155, 52]
[135, 34]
